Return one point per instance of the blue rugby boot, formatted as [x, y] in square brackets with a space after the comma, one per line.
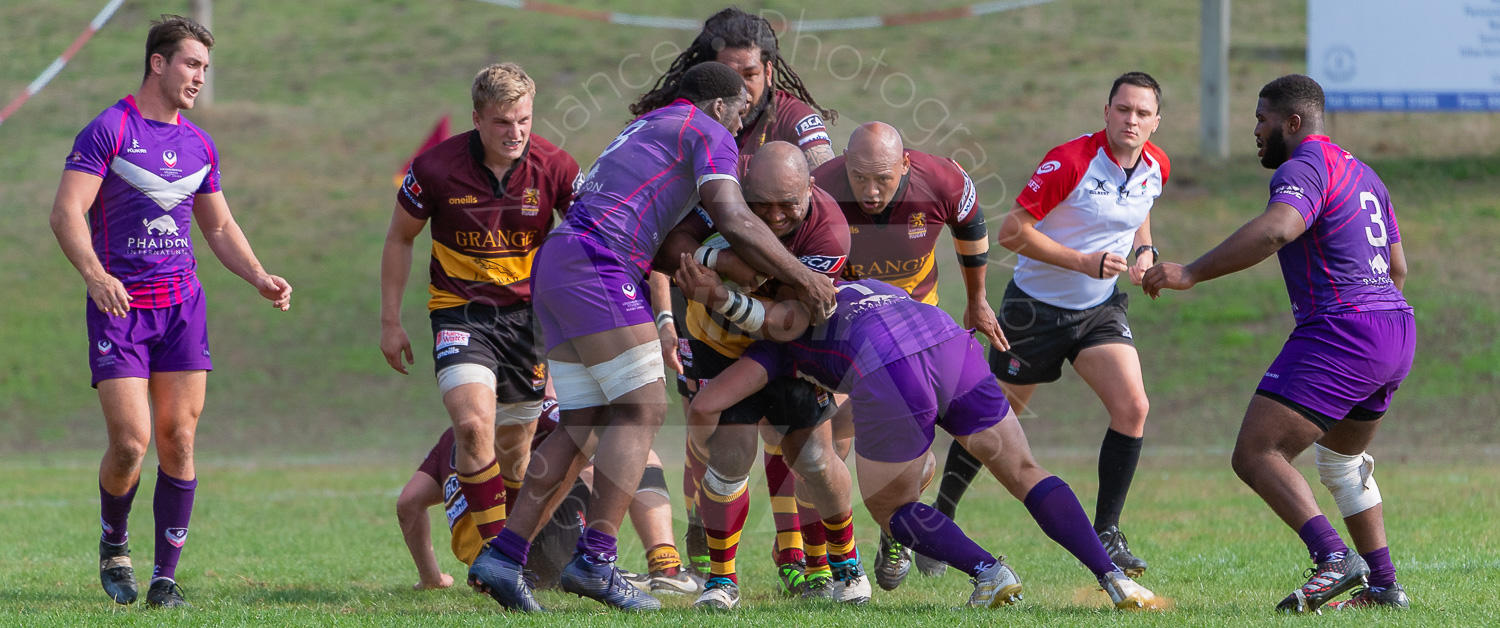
[503, 579]
[602, 582]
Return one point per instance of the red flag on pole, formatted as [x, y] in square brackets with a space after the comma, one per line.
[438, 134]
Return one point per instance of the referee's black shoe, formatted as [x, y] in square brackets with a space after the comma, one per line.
[1119, 552]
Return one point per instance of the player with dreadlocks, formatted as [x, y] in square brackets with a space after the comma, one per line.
[781, 110]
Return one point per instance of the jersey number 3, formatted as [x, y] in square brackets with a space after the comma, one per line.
[1368, 201]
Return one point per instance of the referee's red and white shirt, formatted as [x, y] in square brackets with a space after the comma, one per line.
[1083, 200]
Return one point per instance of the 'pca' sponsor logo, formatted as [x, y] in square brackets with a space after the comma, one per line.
[825, 264]
[809, 124]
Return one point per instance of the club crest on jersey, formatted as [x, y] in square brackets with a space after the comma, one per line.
[104, 346]
[169, 158]
[916, 226]
[176, 536]
[531, 201]
[629, 290]
[825, 264]
[539, 376]
[76, 157]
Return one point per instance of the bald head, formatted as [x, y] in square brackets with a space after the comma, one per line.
[875, 162]
[778, 187]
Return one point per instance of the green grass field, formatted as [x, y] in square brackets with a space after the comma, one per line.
[279, 542]
[307, 434]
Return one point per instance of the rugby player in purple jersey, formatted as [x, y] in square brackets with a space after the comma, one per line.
[909, 368]
[139, 174]
[589, 293]
[1331, 225]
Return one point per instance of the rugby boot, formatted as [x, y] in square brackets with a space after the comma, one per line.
[1119, 552]
[719, 594]
[1326, 581]
[850, 586]
[602, 582]
[1393, 597]
[1127, 594]
[819, 586]
[640, 581]
[503, 579]
[695, 541]
[790, 577]
[892, 563]
[680, 583]
[997, 586]
[164, 593]
[116, 574]
[930, 567]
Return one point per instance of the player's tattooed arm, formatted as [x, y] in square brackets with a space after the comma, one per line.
[818, 155]
[1248, 246]
[69, 223]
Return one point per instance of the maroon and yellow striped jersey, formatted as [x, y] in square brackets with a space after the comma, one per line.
[896, 246]
[485, 231]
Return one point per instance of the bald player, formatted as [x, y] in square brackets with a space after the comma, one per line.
[895, 201]
[779, 190]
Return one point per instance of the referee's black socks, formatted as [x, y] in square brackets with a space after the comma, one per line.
[1117, 460]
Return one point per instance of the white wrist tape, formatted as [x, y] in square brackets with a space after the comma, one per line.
[746, 312]
[707, 256]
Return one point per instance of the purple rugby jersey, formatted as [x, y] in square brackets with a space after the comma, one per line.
[646, 181]
[1341, 264]
[875, 324]
[141, 220]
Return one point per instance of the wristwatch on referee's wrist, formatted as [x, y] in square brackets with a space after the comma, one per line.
[1155, 255]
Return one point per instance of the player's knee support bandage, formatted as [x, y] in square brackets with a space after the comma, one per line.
[518, 413]
[654, 480]
[636, 367]
[722, 486]
[576, 388]
[460, 374]
[1351, 479]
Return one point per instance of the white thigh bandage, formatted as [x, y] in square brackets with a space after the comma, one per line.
[1351, 479]
[721, 486]
[518, 413]
[460, 374]
[636, 367]
[576, 388]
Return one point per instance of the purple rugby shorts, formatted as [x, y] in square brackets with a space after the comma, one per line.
[579, 287]
[146, 341]
[1345, 365]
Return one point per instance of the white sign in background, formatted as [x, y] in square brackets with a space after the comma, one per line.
[1406, 55]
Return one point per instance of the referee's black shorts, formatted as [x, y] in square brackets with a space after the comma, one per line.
[1042, 336]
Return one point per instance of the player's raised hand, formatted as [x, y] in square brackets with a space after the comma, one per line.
[276, 290]
[699, 283]
[1167, 276]
[819, 297]
[395, 345]
[1103, 265]
[110, 296]
[980, 316]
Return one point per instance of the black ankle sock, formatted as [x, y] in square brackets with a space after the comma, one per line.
[1117, 459]
[959, 470]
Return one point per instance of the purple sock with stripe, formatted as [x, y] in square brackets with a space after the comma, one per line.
[173, 506]
[1056, 509]
[1382, 570]
[511, 545]
[114, 514]
[932, 534]
[597, 545]
[1323, 542]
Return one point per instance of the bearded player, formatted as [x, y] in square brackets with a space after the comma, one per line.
[1331, 224]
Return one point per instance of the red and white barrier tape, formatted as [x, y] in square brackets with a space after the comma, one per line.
[57, 64]
[806, 26]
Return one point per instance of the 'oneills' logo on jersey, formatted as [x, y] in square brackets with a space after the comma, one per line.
[463, 200]
[1048, 166]
[916, 226]
[531, 201]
